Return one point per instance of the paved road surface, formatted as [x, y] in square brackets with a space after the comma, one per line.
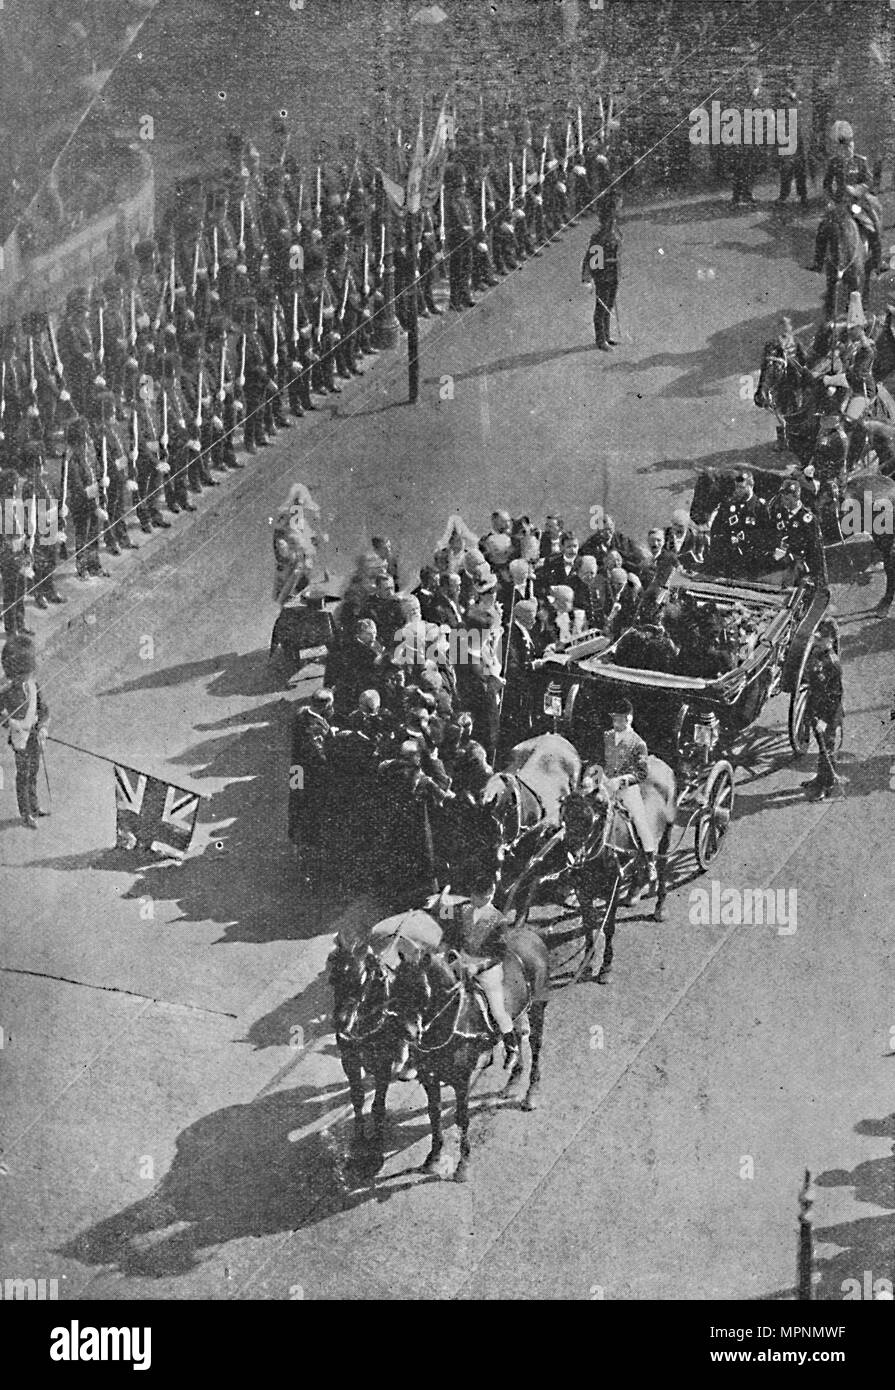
[174, 1112]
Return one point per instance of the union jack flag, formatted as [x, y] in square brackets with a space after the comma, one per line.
[152, 814]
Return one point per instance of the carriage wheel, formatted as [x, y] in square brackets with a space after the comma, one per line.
[713, 821]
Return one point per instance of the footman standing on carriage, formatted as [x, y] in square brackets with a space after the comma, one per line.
[824, 709]
[738, 541]
[797, 535]
[625, 768]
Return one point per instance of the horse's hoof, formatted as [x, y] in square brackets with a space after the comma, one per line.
[604, 977]
[460, 1173]
[660, 915]
[531, 1102]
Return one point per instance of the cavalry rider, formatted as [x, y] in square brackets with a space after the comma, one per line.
[848, 176]
[738, 541]
[856, 359]
[797, 534]
[625, 769]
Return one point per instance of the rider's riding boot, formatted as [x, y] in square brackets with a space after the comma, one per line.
[510, 1048]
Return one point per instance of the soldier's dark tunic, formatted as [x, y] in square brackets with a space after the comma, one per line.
[601, 263]
[824, 675]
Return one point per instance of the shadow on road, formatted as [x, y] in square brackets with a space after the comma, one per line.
[520, 360]
[236, 1173]
[867, 1242]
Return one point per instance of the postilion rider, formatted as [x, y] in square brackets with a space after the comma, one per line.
[625, 769]
[473, 928]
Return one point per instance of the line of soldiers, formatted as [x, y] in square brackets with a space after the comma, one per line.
[259, 293]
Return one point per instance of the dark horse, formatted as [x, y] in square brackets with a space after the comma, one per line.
[454, 1032]
[596, 855]
[368, 1036]
[847, 261]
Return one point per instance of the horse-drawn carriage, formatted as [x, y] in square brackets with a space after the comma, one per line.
[576, 876]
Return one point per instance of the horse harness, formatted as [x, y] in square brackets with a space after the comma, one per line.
[514, 784]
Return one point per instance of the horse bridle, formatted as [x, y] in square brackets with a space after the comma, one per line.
[514, 783]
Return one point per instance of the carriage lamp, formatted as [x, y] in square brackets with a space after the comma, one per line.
[705, 733]
[553, 701]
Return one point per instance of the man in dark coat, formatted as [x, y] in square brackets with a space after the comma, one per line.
[601, 267]
[309, 772]
[824, 709]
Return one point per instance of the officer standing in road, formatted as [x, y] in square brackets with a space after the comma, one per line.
[601, 267]
[824, 709]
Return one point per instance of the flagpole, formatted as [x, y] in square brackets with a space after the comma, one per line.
[386, 320]
[116, 762]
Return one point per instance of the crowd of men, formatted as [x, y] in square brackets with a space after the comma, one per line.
[429, 687]
[261, 292]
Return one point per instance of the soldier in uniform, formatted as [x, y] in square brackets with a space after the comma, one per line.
[601, 267]
[109, 439]
[46, 542]
[25, 714]
[87, 512]
[180, 449]
[739, 535]
[142, 398]
[797, 535]
[13, 557]
[349, 308]
[197, 370]
[322, 311]
[257, 384]
[459, 237]
[76, 349]
[824, 708]
[272, 330]
[848, 177]
[301, 352]
[226, 404]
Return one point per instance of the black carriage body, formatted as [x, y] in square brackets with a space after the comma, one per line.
[584, 682]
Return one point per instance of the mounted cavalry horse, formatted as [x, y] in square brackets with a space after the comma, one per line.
[595, 854]
[847, 259]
